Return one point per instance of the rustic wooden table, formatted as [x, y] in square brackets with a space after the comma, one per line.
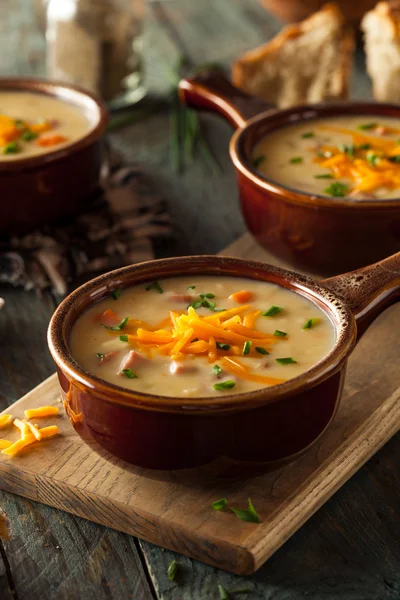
[350, 548]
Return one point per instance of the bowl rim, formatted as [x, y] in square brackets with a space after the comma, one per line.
[100, 287]
[305, 113]
[53, 88]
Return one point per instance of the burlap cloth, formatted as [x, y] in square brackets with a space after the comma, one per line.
[117, 229]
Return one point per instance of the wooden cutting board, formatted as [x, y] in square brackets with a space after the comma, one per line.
[173, 509]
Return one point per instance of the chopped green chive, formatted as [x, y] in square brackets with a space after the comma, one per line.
[347, 149]
[367, 126]
[310, 323]
[172, 570]
[191, 287]
[324, 176]
[286, 361]
[278, 333]
[261, 350]
[116, 293]
[224, 385]
[246, 347]
[155, 286]
[272, 311]
[337, 189]
[217, 370]
[296, 160]
[308, 134]
[219, 504]
[364, 146]
[204, 303]
[395, 158]
[223, 346]
[123, 338]
[100, 355]
[116, 327]
[223, 594]
[11, 148]
[129, 373]
[28, 136]
[208, 295]
[258, 161]
[19, 123]
[250, 514]
[372, 158]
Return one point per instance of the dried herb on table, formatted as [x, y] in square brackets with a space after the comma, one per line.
[186, 138]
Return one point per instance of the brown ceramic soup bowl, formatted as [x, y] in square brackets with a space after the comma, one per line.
[41, 189]
[263, 426]
[322, 234]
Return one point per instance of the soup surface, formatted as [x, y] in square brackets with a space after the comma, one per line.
[150, 340]
[32, 124]
[345, 157]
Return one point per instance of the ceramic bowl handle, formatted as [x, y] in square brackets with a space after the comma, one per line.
[211, 90]
[370, 290]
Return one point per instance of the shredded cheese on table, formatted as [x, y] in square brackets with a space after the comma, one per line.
[29, 433]
[41, 412]
[5, 421]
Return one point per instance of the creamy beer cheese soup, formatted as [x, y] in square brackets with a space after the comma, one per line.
[344, 157]
[32, 124]
[201, 336]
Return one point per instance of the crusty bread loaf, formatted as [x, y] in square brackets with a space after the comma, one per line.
[381, 28]
[306, 62]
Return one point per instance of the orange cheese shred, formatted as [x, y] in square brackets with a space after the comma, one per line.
[237, 368]
[5, 421]
[35, 430]
[41, 412]
[23, 427]
[17, 446]
[212, 353]
[5, 444]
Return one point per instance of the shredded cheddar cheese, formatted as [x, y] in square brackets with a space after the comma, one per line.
[217, 336]
[17, 446]
[42, 411]
[5, 421]
[369, 165]
[23, 427]
[5, 444]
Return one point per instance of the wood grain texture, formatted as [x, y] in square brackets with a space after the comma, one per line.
[173, 509]
[52, 554]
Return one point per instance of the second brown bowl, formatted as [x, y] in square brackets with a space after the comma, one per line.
[318, 233]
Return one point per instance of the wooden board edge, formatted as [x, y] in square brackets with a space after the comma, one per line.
[118, 516]
[353, 453]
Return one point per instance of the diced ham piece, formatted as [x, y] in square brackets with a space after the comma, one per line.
[131, 360]
[108, 318]
[186, 298]
[380, 130]
[107, 357]
[361, 195]
[179, 368]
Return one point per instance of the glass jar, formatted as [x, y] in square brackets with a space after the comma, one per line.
[96, 44]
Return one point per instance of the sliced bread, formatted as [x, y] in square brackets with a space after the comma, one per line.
[381, 27]
[306, 62]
